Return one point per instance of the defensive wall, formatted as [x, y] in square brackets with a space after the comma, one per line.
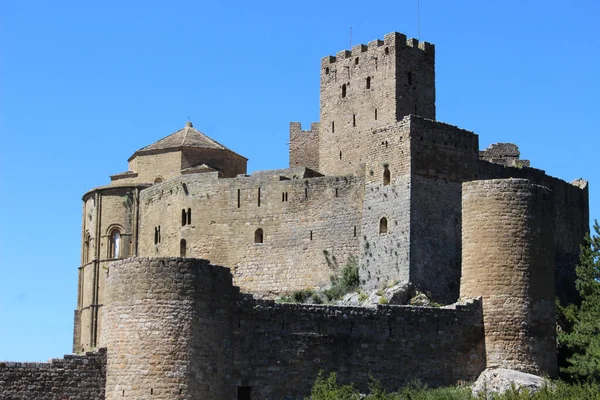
[74, 377]
[178, 328]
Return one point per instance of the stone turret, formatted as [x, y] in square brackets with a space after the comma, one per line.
[507, 237]
[167, 325]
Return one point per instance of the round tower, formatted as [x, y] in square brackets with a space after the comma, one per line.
[507, 258]
[167, 324]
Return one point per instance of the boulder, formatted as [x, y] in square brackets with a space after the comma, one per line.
[499, 380]
[420, 300]
[399, 294]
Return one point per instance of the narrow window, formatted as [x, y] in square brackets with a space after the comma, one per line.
[114, 244]
[383, 226]
[238, 198]
[355, 231]
[258, 236]
[344, 90]
[336, 192]
[369, 82]
[86, 249]
[386, 176]
[189, 216]
[375, 114]
[182, 248]
[387, 51]
[353, 119]
[282, 197]
[183, 218]
[340, 155]
[409, 77]
[155, 235]
[332, 126]
[259, 197]
[386, 144]
[286, 196]
[310, 235]
[327, 71]
[306, 193]
[356, 61]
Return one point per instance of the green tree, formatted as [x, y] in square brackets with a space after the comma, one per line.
[582, 339]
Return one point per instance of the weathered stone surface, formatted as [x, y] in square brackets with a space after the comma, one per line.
[499, 380]
[74, 377]
[506, 236]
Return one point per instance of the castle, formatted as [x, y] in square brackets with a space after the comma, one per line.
[377, 181]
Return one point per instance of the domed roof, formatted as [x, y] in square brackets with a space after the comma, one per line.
[186, 137]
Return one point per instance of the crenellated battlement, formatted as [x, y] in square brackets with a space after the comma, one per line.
[390, 42]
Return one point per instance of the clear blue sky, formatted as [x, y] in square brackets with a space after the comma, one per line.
[85, 84]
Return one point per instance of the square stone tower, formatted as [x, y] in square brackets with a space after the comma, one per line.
[372, 86]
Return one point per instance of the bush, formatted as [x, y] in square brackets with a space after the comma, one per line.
[345, 283]
[327, 388]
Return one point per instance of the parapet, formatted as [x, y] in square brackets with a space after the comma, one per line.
[393, 40]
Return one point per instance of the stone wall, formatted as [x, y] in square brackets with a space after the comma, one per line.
[178, 328]
[443, 156]
[385, 254]
[278, 349]
[310, 227]
[80, 377]
[372, 86]
[507, 231]
[304, 146]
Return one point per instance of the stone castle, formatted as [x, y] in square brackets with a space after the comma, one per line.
[378, 182]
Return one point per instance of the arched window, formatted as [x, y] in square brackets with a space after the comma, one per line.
[258, 236]
[369, 82]
[386, 176]
[114, 244]
[158, 180]
[183, 217]
[86, 249]
[189, 216]
[383, 226]
[344, 90]
[182, 248]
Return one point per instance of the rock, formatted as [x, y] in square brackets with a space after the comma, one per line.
[350, 299]
[374, 299]
[420, 300]
[399, 294]
[499, 380]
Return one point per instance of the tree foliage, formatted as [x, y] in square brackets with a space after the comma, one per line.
[582, 335]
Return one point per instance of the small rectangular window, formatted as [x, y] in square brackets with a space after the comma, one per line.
[238, 198]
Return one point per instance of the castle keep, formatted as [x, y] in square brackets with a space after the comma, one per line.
[378, 182]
